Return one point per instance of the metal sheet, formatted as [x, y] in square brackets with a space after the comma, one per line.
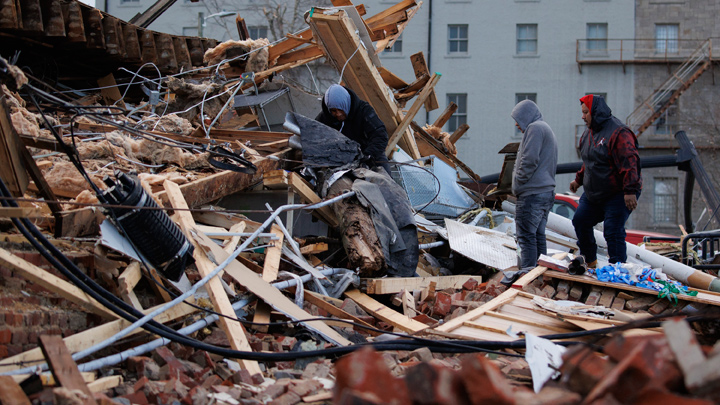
[481, 244]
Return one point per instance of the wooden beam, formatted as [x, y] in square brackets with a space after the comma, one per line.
[387, 315]
[459, 132]
[314, 248]
[319, 301]
[127, 280]
[53, 283]
[12, 169]
[105, 383]
[421, 69]
[393, 81]
[11, 393]
[436, 145]
[417, 104]
[110, 92]
[213, 187]
[408, 304]
[445, 116]
[269, 274]
[21, 212]
[63, 367]
[265, 291]
[395, 285]
[233, 329]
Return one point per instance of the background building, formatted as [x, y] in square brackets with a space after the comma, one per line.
[492, 54]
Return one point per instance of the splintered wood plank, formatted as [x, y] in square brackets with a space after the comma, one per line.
[90, 337]
[265, 291]
[407, 119]
[63, 367]
[233, 329]
[391, 79]
[53, 283]
[492, 305]
[396, 284]
[127, 282]
[385, 314]
[110, 92]
[105, 383]
[538, 271]
[12, 170]
[213, 187]
[439, 148]
[459, 132]
[11, 393]
[445, 116]
[337, 35]
[314, 248]
[269, 274]
[420, 67]
[320, 302]
[408, 304]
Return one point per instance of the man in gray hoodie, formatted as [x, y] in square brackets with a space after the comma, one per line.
[533, 183]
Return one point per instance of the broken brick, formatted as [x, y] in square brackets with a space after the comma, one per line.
[365, 371]
[430, 383]
[442, 304]
[484, 382]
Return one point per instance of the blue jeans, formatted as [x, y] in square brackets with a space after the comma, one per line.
[531, 214]
[614, 213]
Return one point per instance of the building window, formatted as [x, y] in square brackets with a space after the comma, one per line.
[258, 32]
[524, 96]
[460, 116]
[527, 36]
[597, 35]
[666, 38]
[458, 38]
[667, 122]
[396, 47]
[665, 200]
[190, 31]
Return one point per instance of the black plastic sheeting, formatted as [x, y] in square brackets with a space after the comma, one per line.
[322, 145]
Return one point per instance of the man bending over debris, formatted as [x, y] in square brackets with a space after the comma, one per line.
[611, 176]
[533, 183]
[344, 111]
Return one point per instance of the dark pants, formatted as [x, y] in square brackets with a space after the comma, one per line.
[531, 214]
[614, 213]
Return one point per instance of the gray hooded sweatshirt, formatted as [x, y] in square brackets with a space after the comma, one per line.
[536, 161]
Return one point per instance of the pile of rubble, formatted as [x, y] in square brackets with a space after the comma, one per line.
[290, 319]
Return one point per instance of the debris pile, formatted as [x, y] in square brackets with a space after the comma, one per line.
[247, 308]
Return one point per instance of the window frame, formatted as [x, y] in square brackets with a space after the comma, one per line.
[520, 39]
[596, 44]
[259, 28]
[459, 41]
[667, 45]
[660, 208]
[459, 117]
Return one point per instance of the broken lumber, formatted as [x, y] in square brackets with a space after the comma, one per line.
[397, 284]
[233, 329]
[63, 367]
[11, 393]
[408, 118]
[387, 315]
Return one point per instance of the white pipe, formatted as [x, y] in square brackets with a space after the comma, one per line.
[676, 270]
[145, 319]
[208, 320]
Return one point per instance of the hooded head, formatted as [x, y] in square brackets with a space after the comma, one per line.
[336, 97]
[525, 113]
[599, 112]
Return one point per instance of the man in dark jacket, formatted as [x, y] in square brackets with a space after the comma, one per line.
[611, 176]
[344, 111]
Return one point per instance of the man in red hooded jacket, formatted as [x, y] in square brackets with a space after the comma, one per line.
[611, 177]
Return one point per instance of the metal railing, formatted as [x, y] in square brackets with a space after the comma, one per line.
[694, 64]
[607, 51]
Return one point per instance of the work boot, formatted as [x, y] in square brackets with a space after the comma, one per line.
[592, 264]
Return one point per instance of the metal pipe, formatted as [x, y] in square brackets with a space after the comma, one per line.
[207, 321]
[431, 245]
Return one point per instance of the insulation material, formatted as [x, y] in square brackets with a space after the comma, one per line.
[13, 99]
[170, 123]
[117, 143]
[153, 183]
[441, 136]
[25, 126]
[85, 197]
[255, 49]
[191, 97]
[15, 72]
[64, 176]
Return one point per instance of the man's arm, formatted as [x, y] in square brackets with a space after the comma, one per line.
[529, 159]
[575, 184]
[625, 156]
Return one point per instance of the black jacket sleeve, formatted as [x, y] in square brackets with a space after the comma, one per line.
[377, 137]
